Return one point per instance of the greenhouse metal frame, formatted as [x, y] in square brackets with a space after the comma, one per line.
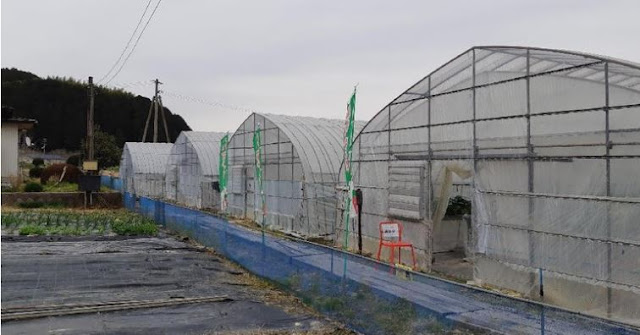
[301, 159]
[546, 146]
[143, 167]
[192, 169]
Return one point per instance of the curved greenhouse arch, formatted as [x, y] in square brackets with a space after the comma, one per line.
[142, 168]
[192, 169]
[302, 157]
[520, 52]
[543, 143]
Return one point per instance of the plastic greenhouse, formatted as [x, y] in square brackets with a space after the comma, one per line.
[545, 144]
[192, 169]
[142, 168]
[301, 160]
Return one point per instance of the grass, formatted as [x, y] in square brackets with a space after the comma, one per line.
[53, 187]
[70, 222]
[68, 187]
[60, 187]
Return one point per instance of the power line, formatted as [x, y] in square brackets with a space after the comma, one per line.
[128, 43]
[132, 84]
[136, 43]
[207, 102]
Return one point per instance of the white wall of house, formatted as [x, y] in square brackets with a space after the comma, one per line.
[9, 161]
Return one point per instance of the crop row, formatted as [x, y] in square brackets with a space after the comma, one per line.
[70, 222]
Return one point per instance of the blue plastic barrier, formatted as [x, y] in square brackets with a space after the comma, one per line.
[111, 182]
[370, 297]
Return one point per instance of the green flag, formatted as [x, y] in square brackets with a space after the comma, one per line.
[348, 148]
[257, 149]
[223, 171]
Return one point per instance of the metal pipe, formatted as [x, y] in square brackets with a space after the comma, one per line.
[506, 117]
[498, 82]
[608, 183]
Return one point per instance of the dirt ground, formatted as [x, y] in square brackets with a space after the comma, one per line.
[52, 275]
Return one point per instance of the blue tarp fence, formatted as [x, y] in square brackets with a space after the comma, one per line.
[111, 182]
[369, 296]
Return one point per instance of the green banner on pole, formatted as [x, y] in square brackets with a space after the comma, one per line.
[348, 151]
[259, 180]
[223, 171]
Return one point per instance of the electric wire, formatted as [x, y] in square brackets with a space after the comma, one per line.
[128, 43]
[135, 44]
[203, 101]
[130, 84]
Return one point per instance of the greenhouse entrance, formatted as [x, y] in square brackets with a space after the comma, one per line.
[451, 220]
[432, 199]
[241, 190]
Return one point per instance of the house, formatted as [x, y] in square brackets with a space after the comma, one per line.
[11, 130]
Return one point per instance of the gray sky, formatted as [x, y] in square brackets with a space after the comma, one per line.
[294, 57]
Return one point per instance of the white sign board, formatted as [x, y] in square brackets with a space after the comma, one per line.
[390, 230]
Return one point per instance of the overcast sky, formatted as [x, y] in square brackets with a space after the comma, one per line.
[293, 57]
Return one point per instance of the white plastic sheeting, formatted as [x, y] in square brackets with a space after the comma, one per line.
[142, 168]
[192, 168]
[302, 157]
[552, 140]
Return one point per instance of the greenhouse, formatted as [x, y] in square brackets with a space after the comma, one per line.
[192, 169]
[142, 168]
[301, 157]
[544, 146]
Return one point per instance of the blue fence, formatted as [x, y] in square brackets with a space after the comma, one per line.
[111, 182]
[366, 295]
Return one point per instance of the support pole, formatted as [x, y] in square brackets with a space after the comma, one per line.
[164, 121]
[530, 176]
[155, 108]
[146, 124]
[429, 153]
[608, 186]
[359, 202]
[429, 239]
[474, 197]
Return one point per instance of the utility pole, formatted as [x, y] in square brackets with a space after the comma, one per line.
[90, 182]
[155, 108]
[90, 148]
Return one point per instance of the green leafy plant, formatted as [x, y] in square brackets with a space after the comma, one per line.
[32, 230]
[35, 172]
[134, 226]
[73, 222]
[458, 206]
[33, 187]
[74, 160]
[37, 161]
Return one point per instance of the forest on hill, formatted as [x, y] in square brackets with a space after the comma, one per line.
[60, 107]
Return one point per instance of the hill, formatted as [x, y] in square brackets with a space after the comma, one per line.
[60, 106]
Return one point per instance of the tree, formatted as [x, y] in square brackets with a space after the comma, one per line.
[107, 150]
[60, 107]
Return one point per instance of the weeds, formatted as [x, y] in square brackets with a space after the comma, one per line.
[40, 204]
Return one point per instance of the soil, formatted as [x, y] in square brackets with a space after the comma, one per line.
[39, 271]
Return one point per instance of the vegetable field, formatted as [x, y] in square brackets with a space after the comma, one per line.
[74, 222]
